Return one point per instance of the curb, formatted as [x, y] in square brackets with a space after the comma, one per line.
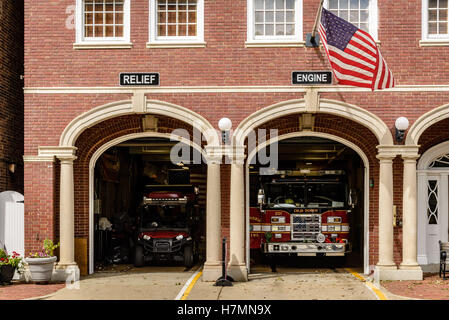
[390, 294]
[42, 297]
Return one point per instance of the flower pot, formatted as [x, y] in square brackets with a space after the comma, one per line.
[41, 269]
[6, 274]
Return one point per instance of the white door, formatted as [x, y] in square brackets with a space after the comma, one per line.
[12, 222]
[433, 215]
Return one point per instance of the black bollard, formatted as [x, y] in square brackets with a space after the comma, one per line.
[224, 280]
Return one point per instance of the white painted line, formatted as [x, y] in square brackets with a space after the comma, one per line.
[189, 284]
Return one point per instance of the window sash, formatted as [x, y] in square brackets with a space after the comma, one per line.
[156, 39]
[115, 20]
[366, 17]
[172, 11]
[435, 16]
[283, 18]
[353, 11]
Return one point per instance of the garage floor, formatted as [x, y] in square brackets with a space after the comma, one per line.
[165, 283]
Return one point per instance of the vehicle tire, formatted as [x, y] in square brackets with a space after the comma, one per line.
[188, 256]
[138, 256]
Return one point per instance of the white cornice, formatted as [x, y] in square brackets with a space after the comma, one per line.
[225, 89]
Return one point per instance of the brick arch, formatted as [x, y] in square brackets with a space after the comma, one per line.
[359, 136]
[364, 118]
[425, 123]
[434, 135]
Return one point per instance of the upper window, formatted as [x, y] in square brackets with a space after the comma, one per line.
[435, 20]
[274, 21]
[103, 22]
[176, 23]
[361, 13]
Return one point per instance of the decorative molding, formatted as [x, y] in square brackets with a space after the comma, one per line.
[274, 44]
[230, 89]
[387, 151]
[38, 159]
[136, 105]
[434, 43]
[139, 101]
[431, 154]
[338, 108]
[60, 152]
[312, 100]
[102, 45]
[176, 45]
[424, 122]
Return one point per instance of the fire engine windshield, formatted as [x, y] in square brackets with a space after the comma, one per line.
[159, 216]
[290, 194]
[326, 194]
[305, 194]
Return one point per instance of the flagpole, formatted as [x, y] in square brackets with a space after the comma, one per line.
[317, 19]
[311, 39]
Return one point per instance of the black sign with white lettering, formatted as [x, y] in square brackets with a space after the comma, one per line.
[139, 79]
[311, 77]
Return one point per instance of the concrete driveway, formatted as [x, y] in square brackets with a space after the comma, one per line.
[128, 283]
[169, 283]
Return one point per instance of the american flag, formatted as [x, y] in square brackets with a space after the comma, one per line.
[353, 54]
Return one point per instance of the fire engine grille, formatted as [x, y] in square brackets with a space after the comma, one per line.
[305, 227]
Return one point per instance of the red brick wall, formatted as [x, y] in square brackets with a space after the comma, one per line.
[40, 204]
[11, 94]
[52, 61]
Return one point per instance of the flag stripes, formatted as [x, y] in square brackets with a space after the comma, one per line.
[353, 54]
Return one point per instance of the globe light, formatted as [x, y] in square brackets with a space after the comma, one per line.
[225, 124]
[402, 123]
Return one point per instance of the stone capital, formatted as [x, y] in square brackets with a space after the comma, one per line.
[66, 153]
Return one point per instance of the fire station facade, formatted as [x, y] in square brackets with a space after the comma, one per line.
[234, 59]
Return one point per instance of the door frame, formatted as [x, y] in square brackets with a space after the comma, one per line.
[366, 188]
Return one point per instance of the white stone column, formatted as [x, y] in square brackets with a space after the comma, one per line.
[237, 266]
[385, 267]
[212, 266]
[67, 268]
[410, 219]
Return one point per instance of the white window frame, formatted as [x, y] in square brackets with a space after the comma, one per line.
[275, 41]
[172, 41]
[426, 39]
[102, 43]
[373, 20]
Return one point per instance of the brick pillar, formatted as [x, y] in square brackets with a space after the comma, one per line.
[39, 204]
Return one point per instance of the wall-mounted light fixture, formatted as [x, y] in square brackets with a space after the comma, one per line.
[401, 125]
[225, 124]
[12, 167]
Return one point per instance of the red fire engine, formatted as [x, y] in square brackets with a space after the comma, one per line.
[303, 214]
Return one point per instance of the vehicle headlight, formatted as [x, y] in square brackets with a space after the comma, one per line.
[180, 237]
[145, 237]
[189, 239]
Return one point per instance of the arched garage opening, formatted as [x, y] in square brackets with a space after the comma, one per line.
[149, 202]
[314, 210]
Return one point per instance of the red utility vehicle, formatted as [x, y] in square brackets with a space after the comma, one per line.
[166, 228]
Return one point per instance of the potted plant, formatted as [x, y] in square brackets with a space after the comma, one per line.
[8, 266]
[41, 263]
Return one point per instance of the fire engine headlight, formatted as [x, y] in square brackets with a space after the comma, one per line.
[320, 238]
[145, 237]
[180, 237]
